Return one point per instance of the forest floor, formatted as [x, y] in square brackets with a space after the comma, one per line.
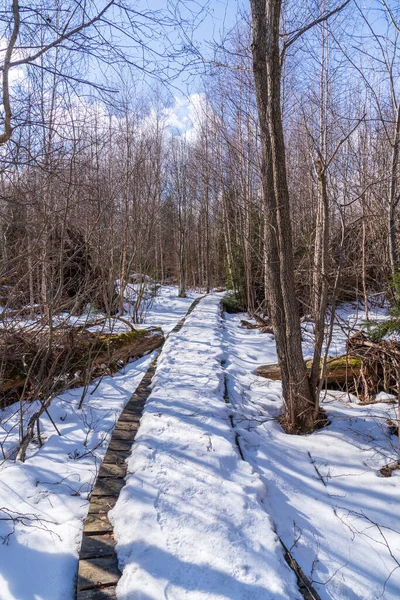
[330, 506]
[44, 500]
[194, 520]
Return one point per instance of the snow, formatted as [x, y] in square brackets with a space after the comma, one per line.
[195, 521]
[191, 523]
[324, 491]
[349, 318]
[160, 307]
[50, 491]
[52, 488]
[166, 309]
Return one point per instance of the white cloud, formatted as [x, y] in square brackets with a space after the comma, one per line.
[184, 117]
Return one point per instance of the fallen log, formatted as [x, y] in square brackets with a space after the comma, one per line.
[76, 357]
[338, 370]
[261, 322]
[263, 325]
[267, 329]
[387, 470]
[248, 325]
[270, 372]
[369, 367]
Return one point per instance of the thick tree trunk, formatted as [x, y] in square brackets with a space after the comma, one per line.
[298, 396]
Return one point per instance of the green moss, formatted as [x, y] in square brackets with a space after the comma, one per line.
[232, 303]
[341, 362]
[120, 340]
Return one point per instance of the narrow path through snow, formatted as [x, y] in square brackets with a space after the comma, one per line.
[98, 571]
[190, 522]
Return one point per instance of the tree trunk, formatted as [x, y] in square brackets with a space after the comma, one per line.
[393, 198]
[320, 276]
[297, 393]
[181, 261]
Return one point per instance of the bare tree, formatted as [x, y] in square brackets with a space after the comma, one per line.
[267, 62]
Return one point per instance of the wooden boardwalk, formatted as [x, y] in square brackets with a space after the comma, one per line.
[98, 572]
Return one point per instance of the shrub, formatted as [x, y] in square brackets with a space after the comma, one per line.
[233, 303]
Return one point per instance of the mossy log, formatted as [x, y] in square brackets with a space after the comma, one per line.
[76, 357]
[129, 345]
[338, 370]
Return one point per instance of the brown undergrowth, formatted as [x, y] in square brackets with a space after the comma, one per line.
[320, 422]
[35, 364]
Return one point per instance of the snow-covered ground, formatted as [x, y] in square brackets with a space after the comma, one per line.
[349, 318]
[190, 523]
[330, 505]
[166, 309]
[48, 494]
[160, 307]
[195, 521]
[43, 501]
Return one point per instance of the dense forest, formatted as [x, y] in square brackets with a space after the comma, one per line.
[97, 185]
[94, 190]
[251, 151]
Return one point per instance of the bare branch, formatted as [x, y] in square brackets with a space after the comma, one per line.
[62, 38]
[306, 28]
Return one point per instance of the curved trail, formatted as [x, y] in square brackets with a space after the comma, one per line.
[98, 572]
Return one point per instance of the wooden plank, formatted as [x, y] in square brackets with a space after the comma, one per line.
[137, 403]
[130, 414]
[129, 417]
[133, 411]
[95, 572]
[107, 593]
[116, 458]
[124, 434]
[118, 445]
[95, 546]
[101, 504]
[97, 523]
[108, 487]
[127, 426]
[111, 470]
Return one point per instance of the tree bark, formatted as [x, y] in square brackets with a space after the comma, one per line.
[393, 197]
[320, 275]
[7, 131]
[298, 395]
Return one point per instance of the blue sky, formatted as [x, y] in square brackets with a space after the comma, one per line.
[183, 92]
[217, 17]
